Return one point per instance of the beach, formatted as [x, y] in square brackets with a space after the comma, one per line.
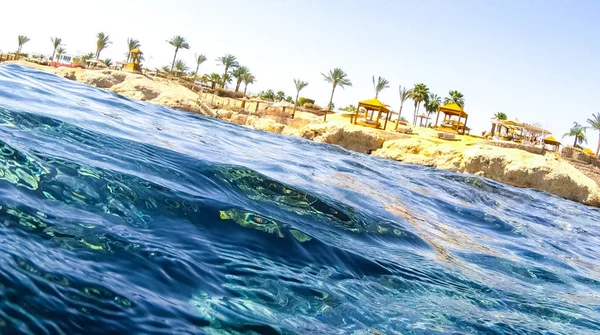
[545, 171]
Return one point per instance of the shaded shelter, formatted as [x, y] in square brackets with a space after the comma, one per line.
[373, 105]
[420, 118]
[449, 111]
[553, 142]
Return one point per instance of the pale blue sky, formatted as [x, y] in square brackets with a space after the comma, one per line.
[535, 60]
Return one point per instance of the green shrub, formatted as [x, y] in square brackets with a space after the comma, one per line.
[229, 94]
[302, 101]
[312, 106]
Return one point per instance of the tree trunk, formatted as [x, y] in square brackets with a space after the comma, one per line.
[415, 114]
[575, 143]
[174, 57]
[330, 101]
[223, 77]
[598, 149]
[53, 54]
[195, 76]
[399, 114]
[245, 88]
[296, 104]
[237, 85]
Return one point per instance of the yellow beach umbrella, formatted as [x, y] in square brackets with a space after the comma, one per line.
[589, 151]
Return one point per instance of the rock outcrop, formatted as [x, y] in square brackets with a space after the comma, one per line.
[510, 166]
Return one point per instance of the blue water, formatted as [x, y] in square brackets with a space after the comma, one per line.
[119, 216]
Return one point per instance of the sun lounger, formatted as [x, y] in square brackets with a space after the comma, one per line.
[447, 136]
[404, 130]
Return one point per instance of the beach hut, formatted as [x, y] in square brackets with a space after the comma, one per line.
[449, 111]
[373, 105]
[553, 142]
[420, 118]
[133, 66]
[283, 105]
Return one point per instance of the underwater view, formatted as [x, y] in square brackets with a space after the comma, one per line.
[120, 217]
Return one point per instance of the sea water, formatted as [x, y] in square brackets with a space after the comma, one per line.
[121, 217]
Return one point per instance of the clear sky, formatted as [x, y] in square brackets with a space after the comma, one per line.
[534, 60]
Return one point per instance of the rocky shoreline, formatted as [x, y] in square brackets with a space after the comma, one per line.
[545, 172]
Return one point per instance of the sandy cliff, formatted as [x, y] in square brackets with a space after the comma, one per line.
[511, 166]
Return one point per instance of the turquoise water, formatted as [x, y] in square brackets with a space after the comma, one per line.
[124, 217]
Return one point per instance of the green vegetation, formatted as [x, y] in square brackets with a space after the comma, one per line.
[455, 97]
[199, 60]
[59, 52]
[432, 104]
[500, 116]
[181, 66]
[56, 43]
[380, 85]
[22, 40]
[179, 43]
[336, 77]
[229, 62]
[404, 95]
[247, 79]
[108, 62]
[349, 108]
[300, 85]
[302, 101]
[594, 123]
[267, 95]
[239, 73]
[280, 95]
[418, 94]
[102, 43]
[578, 132]
[132, 44]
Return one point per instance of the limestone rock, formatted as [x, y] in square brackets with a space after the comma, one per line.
[268, 125]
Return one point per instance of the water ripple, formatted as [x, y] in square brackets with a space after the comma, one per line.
[118, 216]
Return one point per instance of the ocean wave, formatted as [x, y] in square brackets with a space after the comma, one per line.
[119, 216]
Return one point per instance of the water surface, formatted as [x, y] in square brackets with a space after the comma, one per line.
[118, 216]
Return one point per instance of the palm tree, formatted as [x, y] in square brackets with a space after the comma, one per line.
[108, 62]
[22, 41]
[337, 77]
[380, 85]
[56, 42]
[215, 78]
[267, 95]
[132, 43]
[280, 95]
[199, 60]
[500, 116]
[247, 78]
[229, 61]
[418, 94]
[404, 95]
[238, 74]
[578, 132]
[300, 85]
[594, 123]
[179, 43]
[455, 97]
[102, 43]
[181, 66]
[59, 52]
[432, 104]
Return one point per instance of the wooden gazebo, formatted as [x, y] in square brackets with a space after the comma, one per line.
[449, 111]
[373, 105]
[553, 142]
